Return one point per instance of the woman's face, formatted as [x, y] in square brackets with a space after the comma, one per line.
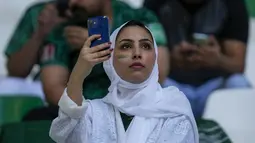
[134, 54]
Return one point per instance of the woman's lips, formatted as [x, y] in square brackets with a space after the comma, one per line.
[137, 65]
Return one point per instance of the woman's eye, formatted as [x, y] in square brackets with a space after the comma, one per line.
[146, 46]
[125, 46]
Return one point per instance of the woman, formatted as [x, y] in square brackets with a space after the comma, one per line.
[136, 109]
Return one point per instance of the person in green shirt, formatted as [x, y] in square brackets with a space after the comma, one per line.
[63, 44]
[23, 48]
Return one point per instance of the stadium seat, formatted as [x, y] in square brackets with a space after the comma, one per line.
[251, 7]
[12, 108]
[233, 109]
[26, 132]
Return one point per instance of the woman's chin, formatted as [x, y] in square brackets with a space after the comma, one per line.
[137, 78]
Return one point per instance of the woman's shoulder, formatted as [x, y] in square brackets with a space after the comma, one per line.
[171, 89]
[183, 126]
[174, 93]
[177, 100]
[180, 123]
[179, 128]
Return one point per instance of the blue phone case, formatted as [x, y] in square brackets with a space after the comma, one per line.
[99, 25]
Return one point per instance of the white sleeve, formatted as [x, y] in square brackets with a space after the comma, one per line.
[73, 123]
[178, 130]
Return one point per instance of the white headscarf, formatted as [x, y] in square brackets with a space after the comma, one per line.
[145, 100]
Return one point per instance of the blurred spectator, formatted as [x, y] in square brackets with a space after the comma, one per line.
[23, 49]
[207, 40]
[64, 43]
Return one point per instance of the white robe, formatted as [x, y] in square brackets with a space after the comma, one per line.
[95, 122]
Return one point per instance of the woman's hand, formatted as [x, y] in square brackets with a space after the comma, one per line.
[88, 58]
[91, 56]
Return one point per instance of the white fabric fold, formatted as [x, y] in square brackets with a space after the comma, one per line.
[69, 107]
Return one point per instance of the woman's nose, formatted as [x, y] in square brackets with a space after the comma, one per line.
[137, 53]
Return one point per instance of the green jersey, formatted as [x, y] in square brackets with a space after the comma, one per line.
[25, 28]
[58, 52]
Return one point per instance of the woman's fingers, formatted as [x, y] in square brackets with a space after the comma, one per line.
[100, 54]
[102, 59]
[96, 54]
[100, 47]
[90, 39]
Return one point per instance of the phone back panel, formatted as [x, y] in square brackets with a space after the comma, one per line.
[99, 25]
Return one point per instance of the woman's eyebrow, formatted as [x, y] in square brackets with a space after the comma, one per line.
[145, 39]
[130, 40]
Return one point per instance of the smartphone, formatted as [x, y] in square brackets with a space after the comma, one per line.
[200, 38]
[99, 25]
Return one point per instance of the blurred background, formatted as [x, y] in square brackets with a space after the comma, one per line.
[16, 9]
[233, 109]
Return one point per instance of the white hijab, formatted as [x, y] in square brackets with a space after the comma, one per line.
[147, 101]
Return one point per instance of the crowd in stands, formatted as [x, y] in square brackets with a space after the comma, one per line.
[201, 48]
